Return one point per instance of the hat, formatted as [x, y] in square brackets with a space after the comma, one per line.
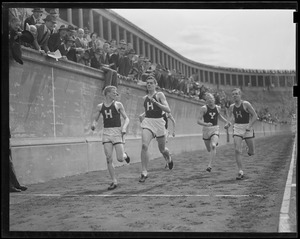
[37, 10]
[27, 37]
[54, 11]
[122, 41]
[131, 51]
[69, 38]
[71, 28]
[50, 18]
[63, 27]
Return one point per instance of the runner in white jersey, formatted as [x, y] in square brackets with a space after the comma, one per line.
[153, 125]
[113, 131]
[208, 118]
[243, 116]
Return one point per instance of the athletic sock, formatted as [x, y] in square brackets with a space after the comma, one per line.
[145, 173]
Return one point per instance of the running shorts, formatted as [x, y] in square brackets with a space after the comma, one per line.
[155, 125]
[209, 131]
[112, 135]
[240, 130]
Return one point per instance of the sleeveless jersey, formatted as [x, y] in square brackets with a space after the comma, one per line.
[241, 116]
[211, 115]
[111, 116]
[151, 109]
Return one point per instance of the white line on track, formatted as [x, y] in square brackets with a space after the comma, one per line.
[137, 195]
[284, 224]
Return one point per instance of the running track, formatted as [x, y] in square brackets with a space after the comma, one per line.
[186, 199]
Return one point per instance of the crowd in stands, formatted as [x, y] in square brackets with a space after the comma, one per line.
[118, 61]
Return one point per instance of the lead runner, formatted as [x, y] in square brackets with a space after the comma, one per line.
[242, 114]
[113, 132]
[153, 125]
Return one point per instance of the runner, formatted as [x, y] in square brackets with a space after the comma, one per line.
[208, 118]
[153, 125]
[242, 114]
[113, 132]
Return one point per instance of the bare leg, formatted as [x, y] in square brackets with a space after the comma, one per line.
[108, 149]
[213, 152]
[146, 139]
[238, 151]
[251, 147]
[163, 149]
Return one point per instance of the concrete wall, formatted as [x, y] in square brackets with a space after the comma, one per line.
[52, 105]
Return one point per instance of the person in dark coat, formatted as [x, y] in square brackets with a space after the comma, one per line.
[43, 34]
[16, 37]
[14, 185]
[35, 18]
[56, 39]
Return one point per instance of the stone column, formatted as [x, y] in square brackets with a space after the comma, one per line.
[69, 15]
[109, 30]
[91, 20]
[80, 17]
[101, 27]
[117, 33]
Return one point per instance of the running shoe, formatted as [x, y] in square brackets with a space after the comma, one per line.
[127, 159]
[240, 176]
[112, 186]
[143, 178]
[208, 169]
[170, 164]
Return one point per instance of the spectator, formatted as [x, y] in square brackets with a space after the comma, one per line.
[121, 61]
[86, 35]
[98, 61]
[84, 58]
[43, 34]
[56, 39]
[68, 49]
[80, 41]
[35, 18]
[123, 44]
[72, 32]
[15, 39]
[54, 12]
[96, 58]
[14, 185]
[92, 44]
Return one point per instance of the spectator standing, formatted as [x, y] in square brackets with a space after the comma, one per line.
[92, 43]
[68, 49]
[56, 39]
[86, 34]
[35, 18]
[43, 34]
[14, 185]
[80, 41]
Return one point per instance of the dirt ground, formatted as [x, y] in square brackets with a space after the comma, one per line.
[185, 199]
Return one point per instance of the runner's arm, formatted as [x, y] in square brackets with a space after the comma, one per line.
[250, 109]
[170, 116]
[142, 117]
[221, 117]
[163, 104]
[231, 118]
[97, 116]
[125, 117]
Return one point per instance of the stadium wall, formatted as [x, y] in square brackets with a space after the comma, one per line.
[51, 107]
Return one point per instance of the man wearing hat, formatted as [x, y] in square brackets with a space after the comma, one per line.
[56, 39]
[35, 18]
[43, 34]
[69, 50]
